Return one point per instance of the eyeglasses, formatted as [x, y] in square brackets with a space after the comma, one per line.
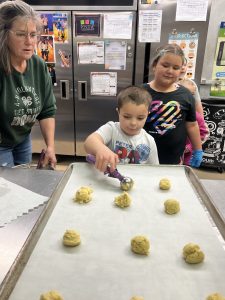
[22, 35]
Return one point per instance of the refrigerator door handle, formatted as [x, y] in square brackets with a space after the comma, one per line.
[82, 90]
[64, 89]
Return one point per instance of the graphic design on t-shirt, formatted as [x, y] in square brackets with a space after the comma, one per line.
[27, 106]
[127, 154]
[164, 117]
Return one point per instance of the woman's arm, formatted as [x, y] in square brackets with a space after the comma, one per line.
[48, 131]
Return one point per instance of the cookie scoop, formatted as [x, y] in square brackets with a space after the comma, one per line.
[126, 183]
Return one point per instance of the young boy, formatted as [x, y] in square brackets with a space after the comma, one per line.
[125, 141]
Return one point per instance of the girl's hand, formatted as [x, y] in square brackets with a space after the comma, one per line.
[196, 158]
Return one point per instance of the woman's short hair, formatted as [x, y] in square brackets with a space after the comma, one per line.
[10, 11]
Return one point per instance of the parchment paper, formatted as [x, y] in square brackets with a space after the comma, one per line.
[103, 266]
[16, 201]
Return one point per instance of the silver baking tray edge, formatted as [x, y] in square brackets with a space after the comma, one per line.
[108, 270]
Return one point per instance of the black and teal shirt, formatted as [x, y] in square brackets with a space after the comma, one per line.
[23, 99]
[166, 122]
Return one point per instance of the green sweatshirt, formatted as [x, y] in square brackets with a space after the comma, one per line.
[23, 99]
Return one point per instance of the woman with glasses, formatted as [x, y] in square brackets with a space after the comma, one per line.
[25, 87]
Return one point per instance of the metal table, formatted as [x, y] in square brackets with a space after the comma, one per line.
[216, 191]
[14, 234]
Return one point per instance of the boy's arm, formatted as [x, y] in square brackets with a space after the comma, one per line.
[94, 144]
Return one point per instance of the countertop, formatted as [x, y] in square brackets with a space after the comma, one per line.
[14, 234]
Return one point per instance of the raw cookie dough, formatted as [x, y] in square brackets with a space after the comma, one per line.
[172, 206]
[137, 298]
[140, 245]
[192, 254]
[71, 238]
[83, 195]
[215, 296]
[164, 184]
[51, 295]
[123, 200]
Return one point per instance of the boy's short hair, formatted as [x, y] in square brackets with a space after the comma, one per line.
[134, 94]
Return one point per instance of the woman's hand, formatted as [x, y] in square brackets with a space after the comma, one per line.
[50, 158]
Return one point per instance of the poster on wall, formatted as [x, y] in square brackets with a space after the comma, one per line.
[47, 23]
[118, 25]
[46, 49]
[218, 75]
[191, 10]
[115, 55]
[103, 83]
[149, 26]
[91, 52]
[188, 42]
[60, 27]
[87, 25]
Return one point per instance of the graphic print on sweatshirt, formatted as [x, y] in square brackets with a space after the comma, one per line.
[163, 117]
[27, 106]
[128, 154]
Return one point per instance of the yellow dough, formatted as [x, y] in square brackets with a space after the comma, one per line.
[164, 184]
[71, 238]
[123, 200]
[51, 295]
[215, 296]
[171, 206]
[192, 254]
[137, 298]
[83, 195]
[140, 245]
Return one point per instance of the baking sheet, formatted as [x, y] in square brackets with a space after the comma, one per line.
[103, 267]
[16, 201]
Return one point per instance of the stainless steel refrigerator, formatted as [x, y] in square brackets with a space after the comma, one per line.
[93, 59]
[170, 26]
[106, 58]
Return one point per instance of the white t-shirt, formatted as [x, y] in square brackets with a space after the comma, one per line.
[138, 149]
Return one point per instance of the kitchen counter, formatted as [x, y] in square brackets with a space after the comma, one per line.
[216, 191]
[14, 234]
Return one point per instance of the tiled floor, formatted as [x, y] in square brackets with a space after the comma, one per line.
[63, 161]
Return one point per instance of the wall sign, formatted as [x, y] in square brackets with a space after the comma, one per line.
[87, 25]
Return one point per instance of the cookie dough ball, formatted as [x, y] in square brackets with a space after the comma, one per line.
[123, 200]
[171, 206]
[164, 184]
[137, 298]
[192, 254]
[83, 195]
[140, 245]
[51, 295]
[215, 296]
[71, 238]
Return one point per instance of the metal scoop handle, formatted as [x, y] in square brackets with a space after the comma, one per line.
[115, 174]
